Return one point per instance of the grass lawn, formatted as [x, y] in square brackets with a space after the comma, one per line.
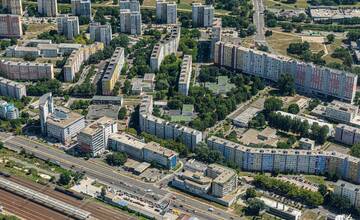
[315, 179]
[35, 29]
[331, 48]
[276, 4]
[279, 42]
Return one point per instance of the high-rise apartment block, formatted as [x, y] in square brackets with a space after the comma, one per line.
[81, 8]
[46, 108]
[77, 58]
[164, 129]
[290, 160]
[94, 137]
[166, 12]
[165, 47]
[12, 89]
[309, 78]
[68, 26]
[132, 5]
[202, 15]
[113, 71]
[47, 8]
[101, 33]
[13, 6]
[8, 111]
[10, 26]
[185, 75]
[130, 22]
[27, 70]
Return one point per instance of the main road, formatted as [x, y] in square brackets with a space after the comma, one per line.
[259, 21]
[113, 178]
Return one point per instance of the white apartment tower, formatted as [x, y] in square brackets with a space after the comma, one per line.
[130, 22]
[46, 108]
[101, 33]
[47, 8]
[68, 26]
[81, 8]
[13, 6]
[166, 12]
[202, 15]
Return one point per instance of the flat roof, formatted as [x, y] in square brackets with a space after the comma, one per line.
[97, 125]
[128, 140]
[107, 98]
[157, 148]
[71, 117]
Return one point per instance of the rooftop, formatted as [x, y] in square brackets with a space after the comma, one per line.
[157, 148]
[63, 117]
[97, 125]
[128, 140]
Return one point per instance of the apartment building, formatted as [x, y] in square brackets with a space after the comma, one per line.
[46, 108]
[68, 26]
[309, 78]
[280, 160]
[113, 71]
[94, 137]
[27, 70]
[348, 191]
[165, 47]
[77, 58]
[164, 129]
[132, 5]
[12, 89]
[341, 112]
[130, 22]
[8, 111]
[21, 51]
[224, 180]
[13, 6]
[10, 26]
[150, 152]
[185, 75]
[202, 15]
[40, 49]
[81, 8]
[64, 124]
[166, 12]
[347, 134]
[101, 33]
[47, 8]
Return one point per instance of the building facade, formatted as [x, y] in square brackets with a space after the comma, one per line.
[47, 8]
[309, 78]
[348, 191]
[27, 70]
[13, 6]
[132, 5]
[12, 89]
[101, 33]
[10, 26]
[81, 8]
[130, 22]
[113, 71]
[166, 12]
[202, 15]
[185, 75]
[68, 26]
[8, 111]
[347, 134]
[341, 112]
[94, 137]
[46, 108]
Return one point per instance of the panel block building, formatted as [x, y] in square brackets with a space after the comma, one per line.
[81, 8]
[166, 12]
[68, 26]
[12, 89]
[101, 33]
[130, 22]
[202, 15]
[185, 75]
[13, 6]
[10, 26]
[113, 71]
[47, 8]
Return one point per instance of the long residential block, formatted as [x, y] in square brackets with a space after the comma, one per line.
[12, 89]
[309, 78]
[113, 71]
[165, 47]
[185, 75]
[164, 129]
[27, 70]
[296, 161]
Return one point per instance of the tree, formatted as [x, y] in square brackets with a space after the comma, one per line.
[268, 33]
[122, 113]
[286, 84]
[250, 193]
[127, 87]
[64, 179]
[272, 104]
[322, 189]
[115, 2]
[103, 192]
[330, 38]
[1, 145]
[255, 206]
[293, 108]
[355, 150]
[29, 57]
[116, 159]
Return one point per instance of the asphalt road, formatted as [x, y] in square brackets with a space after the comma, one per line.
[110, 176]
[259, 21]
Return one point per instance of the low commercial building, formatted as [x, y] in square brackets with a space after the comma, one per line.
[12, 89]
[21, 51]
[101, 33]
[27, 70]
[107, 100]
[64, 125]
[68, 26]
[307, 144]
[8, 111]
[185, 75]
[348, 191]
[165, 47]
[77, 58]
[341, 112]
[224, 180]
[10, 26]
[113, 71]
[333, 14]
[281, 210]
[150, 152]
[145, 84]
[94, 137]
[347, 134]
[243, 119]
